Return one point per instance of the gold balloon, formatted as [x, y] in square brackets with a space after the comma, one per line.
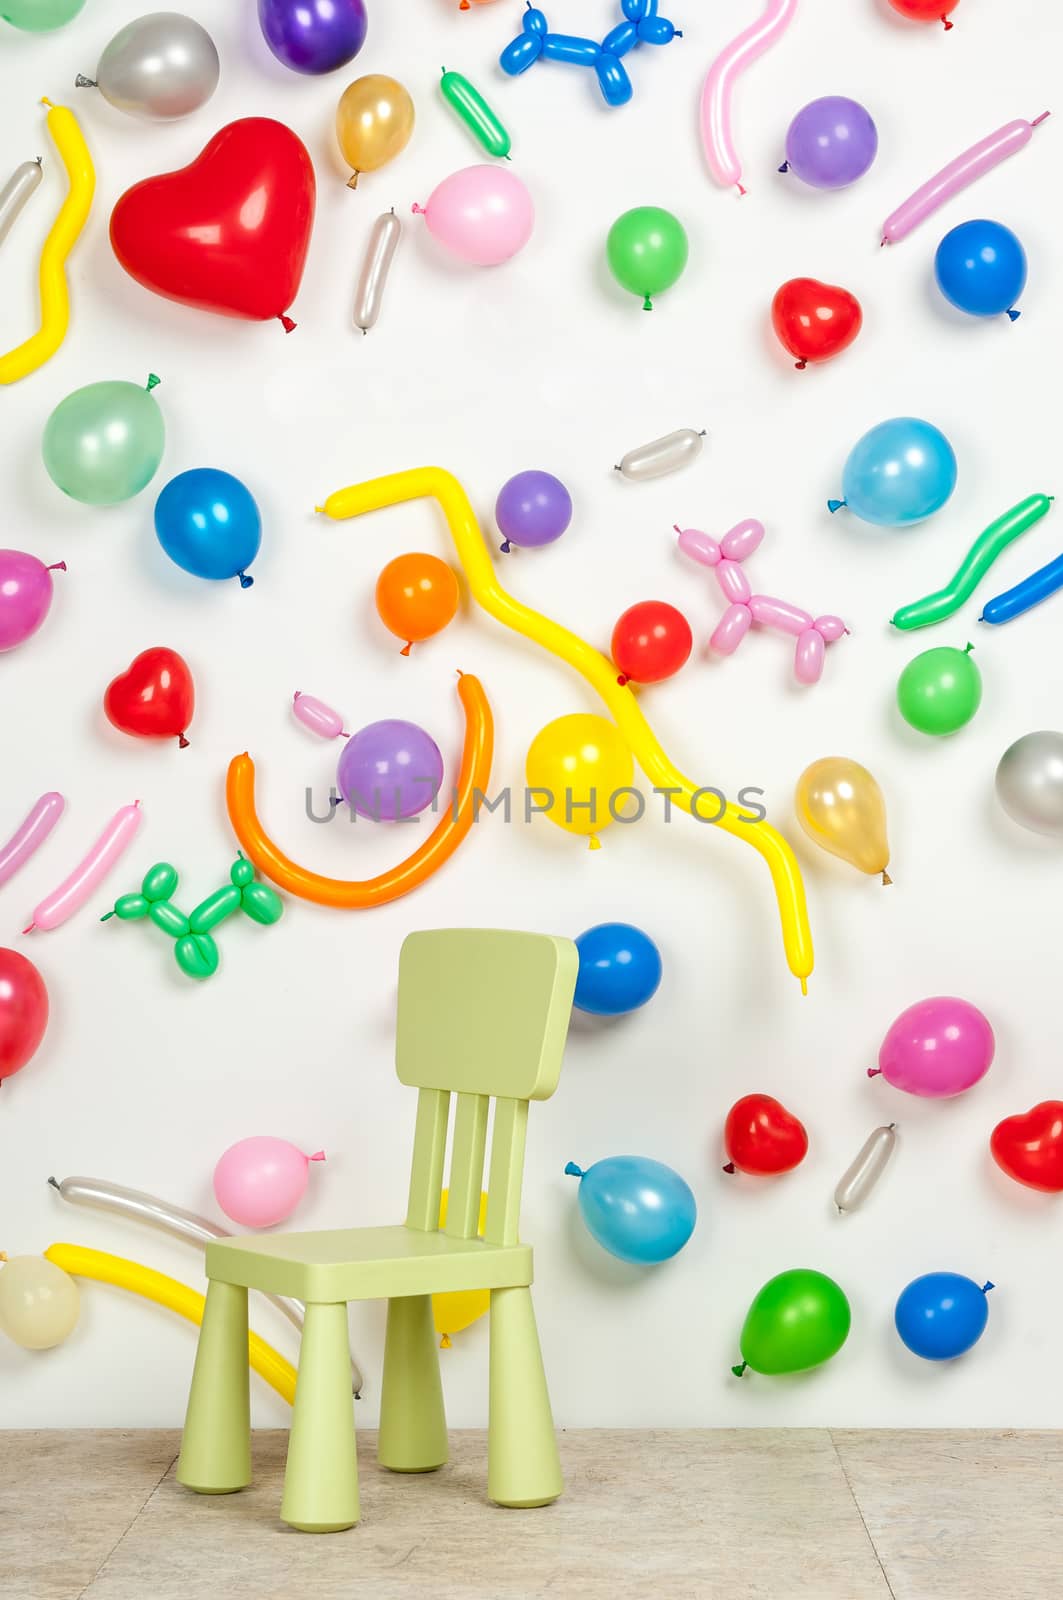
[39, 1302]
[840, 807]
[374, 121]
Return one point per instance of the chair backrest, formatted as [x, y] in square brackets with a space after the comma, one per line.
[483, 1015]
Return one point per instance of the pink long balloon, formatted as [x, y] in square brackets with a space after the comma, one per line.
[317, 716]
[974, 163]
[31, 835]
[89, 873]
[716, 95]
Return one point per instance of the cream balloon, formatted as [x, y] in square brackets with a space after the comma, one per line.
[374, 121]
[840, 807]
[39, 1302]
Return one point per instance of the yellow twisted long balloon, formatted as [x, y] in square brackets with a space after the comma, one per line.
[435, 483]
[73, 214]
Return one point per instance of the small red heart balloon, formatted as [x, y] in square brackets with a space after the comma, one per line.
[761, 1136]
[155, 698]
[230, 232]
[1029, 1147]
[814, 320]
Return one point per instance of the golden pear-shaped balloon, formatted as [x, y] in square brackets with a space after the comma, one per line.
[374, 121]
[840, 807]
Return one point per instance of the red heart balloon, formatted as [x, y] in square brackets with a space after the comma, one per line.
[1029, 1148]
[228, 233]
[761, 1136]
[155, 698]
[814, 320]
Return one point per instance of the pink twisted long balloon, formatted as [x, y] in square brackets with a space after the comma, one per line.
[979, 159]
[716, 132]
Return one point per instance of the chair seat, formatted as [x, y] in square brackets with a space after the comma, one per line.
[367, 1263]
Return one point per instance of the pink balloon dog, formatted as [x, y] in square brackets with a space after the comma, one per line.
[259, 1182]
[813, 633]
[936, 1048]
[716, 132]
[976, 161]
[483, 214]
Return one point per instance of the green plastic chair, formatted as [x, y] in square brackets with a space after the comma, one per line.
[481, 1015]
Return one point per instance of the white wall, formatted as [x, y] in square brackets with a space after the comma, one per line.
[145, 1079]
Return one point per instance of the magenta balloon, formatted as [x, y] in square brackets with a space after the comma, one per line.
[390, 771]
[25, 596]
[937, 1048]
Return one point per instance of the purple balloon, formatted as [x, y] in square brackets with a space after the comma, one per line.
[313, 36]
[25, 595]
[533, 508]
[831, 143]
[390, 770]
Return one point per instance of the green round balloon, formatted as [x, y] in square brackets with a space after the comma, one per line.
[39, 16]
[797, 1320]
[940, 690]
[647, 250]
[104, 443]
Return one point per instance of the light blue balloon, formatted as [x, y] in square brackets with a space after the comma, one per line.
[637, 1209]
[900, 472]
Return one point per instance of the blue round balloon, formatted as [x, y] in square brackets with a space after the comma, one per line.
[981, 269]
[900, 472]
[637, 1209]
[208, 523]
[942, 1314]
[619, 969]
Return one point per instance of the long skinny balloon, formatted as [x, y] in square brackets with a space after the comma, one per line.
[666, 454]
[141, 1207]
[958, 175]
[73, 214]
[976, 563]
[435, 483]
[717, 134]
[469, 104]
[379, 254]
[87, 876]
[1040, 585]
[16, 191]
[31, 835]
[81, 1262]
[872, 1159]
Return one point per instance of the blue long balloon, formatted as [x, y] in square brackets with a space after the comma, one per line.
[1030, 592]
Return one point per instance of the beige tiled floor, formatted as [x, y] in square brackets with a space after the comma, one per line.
[742, 1515]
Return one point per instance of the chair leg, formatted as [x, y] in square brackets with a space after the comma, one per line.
[216, 1443]
[321, 1477]
[413, 1424]
[523, 1468]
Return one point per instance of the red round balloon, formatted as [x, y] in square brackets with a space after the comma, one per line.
[814, 320]
[651, 641]
[229, 232]
[762, 1137]
[926, 10]
[154, 698]
[1029, 1147]
[23, 1011]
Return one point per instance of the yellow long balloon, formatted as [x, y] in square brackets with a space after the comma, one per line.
[435, 483]
[73, 214]
[81, 1262]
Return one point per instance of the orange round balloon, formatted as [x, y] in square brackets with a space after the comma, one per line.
[416, 596]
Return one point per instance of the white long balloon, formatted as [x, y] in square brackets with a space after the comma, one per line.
[871, 1161]
[174, 1219]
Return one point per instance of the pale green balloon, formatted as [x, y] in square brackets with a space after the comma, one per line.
[104, 443]
[39, 16]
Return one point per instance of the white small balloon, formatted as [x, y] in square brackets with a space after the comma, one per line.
[871, 1161]
[39, 1302]
[160, 67]
[1030, 782]
[667, 454]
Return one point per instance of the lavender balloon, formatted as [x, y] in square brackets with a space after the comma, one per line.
[25, 595]
[313, 36]
[831, 143]
[532, 509]
[390, 771]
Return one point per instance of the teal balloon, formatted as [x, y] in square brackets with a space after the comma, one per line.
[798, 1320]
[103, 444]
[900, 472]
[39, 16]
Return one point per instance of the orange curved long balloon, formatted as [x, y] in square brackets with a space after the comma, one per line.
[361, 895]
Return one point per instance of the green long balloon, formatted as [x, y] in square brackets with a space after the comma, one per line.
[476, 114]
[976, 563]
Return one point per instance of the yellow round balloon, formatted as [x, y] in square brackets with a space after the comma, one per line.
[840, 807]
[374, 121]
[579, 765]
[459, 1309]
[39, 1302]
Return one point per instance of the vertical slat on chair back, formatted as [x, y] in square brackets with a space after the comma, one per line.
[467, 1166]
[507, 1172]
[429, 1152]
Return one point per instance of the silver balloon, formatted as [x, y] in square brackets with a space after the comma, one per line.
[663, 455]
[369, 294]
[872, 1159]
[16, 191]
[160, 67]
[1030, 782]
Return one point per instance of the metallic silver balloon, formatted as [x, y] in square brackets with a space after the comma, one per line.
[1030, 782]
[858, 1180]
[16, 191]
[160, 67]
[369, 294]
[668, 454]
[182, 1224]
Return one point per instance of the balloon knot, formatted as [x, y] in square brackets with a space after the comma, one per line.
[730, 1167]
[445, 1342]
[418, 211]
[318, 1155]
[81, 82]
[623, 680]
[572, 1171]
[286, 323]
[57, 566]
[742, 190]
[505, 547]
[647, 304]
[153, 382]
[245, 581]
[886, 879]
[836, 505]
[740, 1369]
[352, 181]
[594, 843]
[182, 742]
[30, 929]
[987, 1286]
[107, 915]
[407, 647]
[54, 1182]
[1037, 121]
[1013, 315]
[874, 1072]
[801, 365]
[948, 24]
[968, 647]
[785, 167]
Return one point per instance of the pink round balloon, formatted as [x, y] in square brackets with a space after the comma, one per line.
[259, 1182]
[936, 1048]
[484, 214]
[25, 595]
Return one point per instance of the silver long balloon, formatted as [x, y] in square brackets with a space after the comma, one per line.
[182, 1224]
[16, 191]
[858, 1180]
[663, 455]
[379, 252]
[160, 67]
